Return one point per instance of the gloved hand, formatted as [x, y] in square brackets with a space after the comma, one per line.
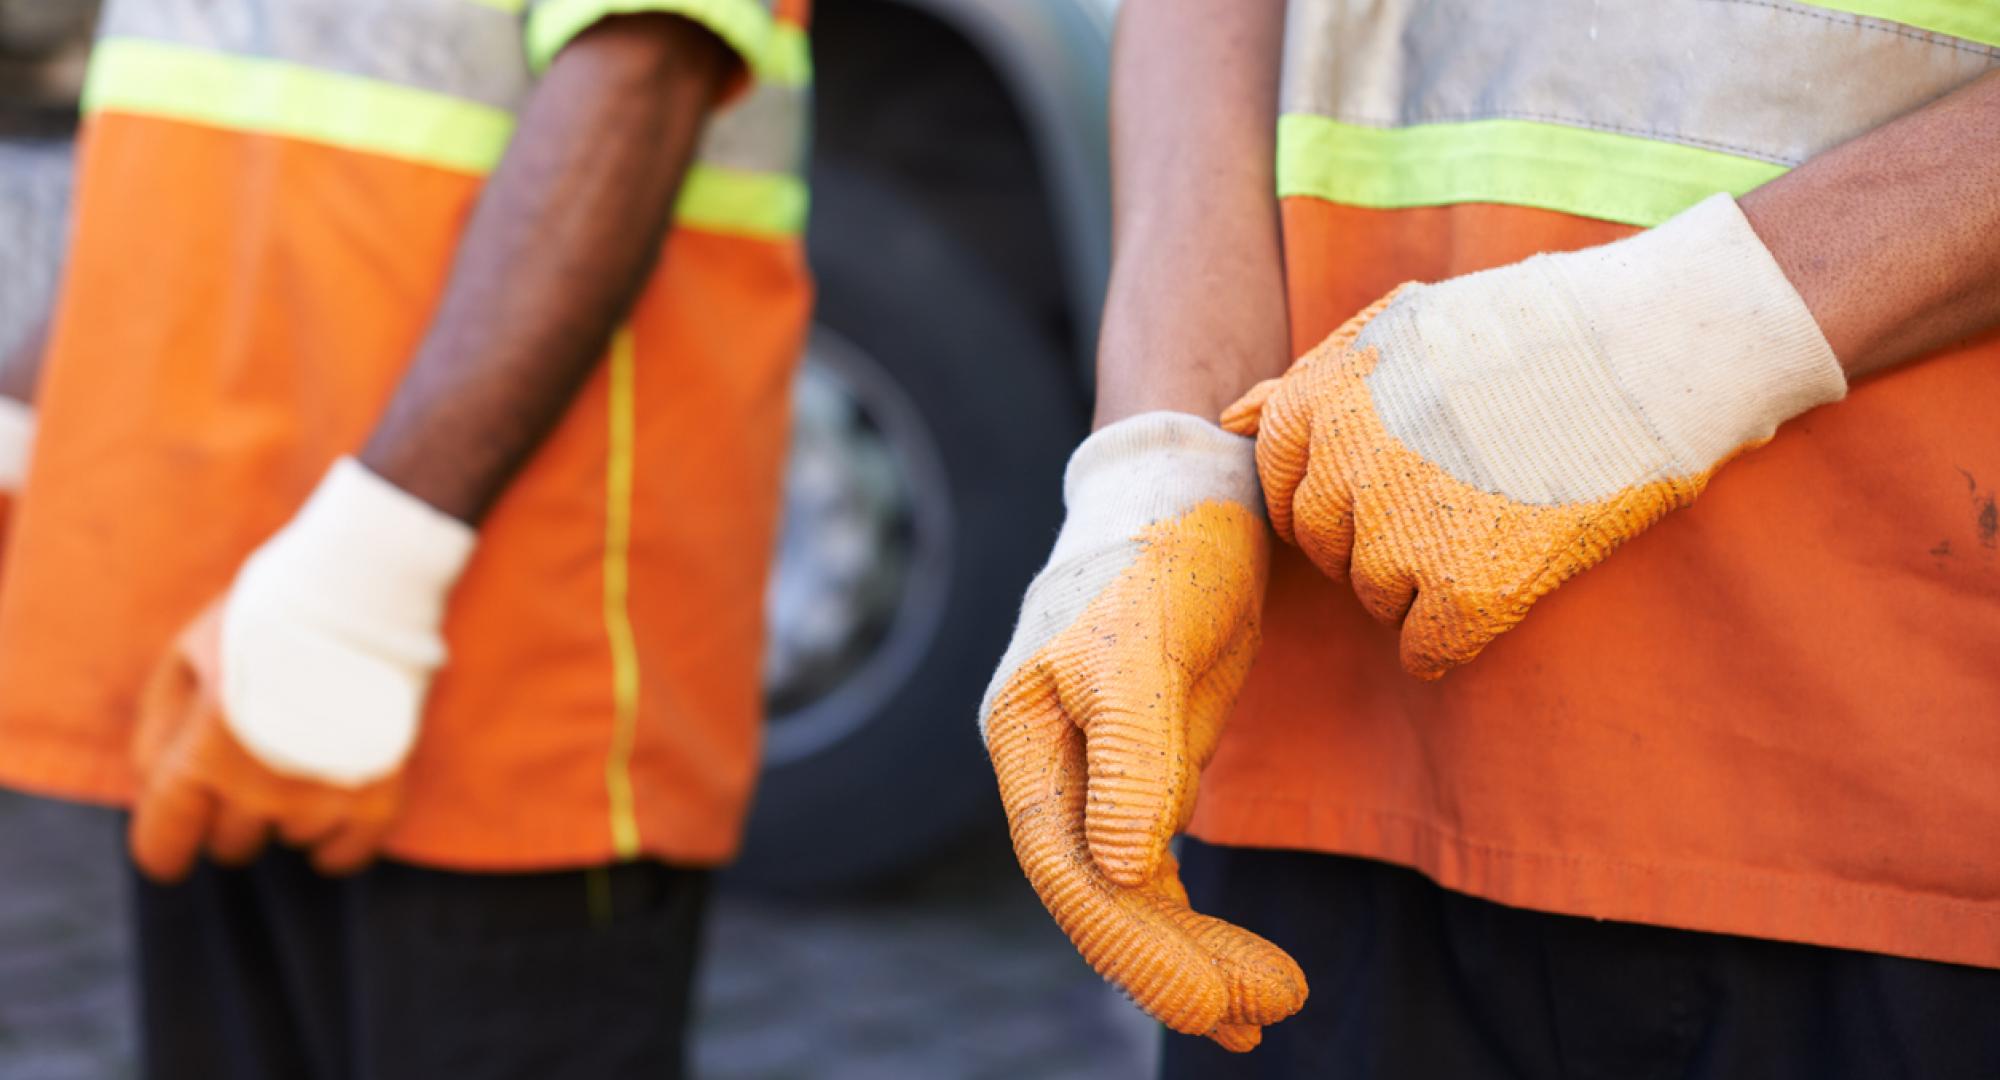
[1131, 647]
[290, 705]
[17, 434]
[1459, 450]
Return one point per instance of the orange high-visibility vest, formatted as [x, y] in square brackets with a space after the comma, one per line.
[1776, 713]
[269, 196]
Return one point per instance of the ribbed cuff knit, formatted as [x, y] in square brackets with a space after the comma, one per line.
[1138, 471]
[1703, 331]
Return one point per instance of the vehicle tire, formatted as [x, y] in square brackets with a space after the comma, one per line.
[979, 408]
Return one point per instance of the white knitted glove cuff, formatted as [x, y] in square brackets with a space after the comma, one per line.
[333, 629]
[1141, 470]
[1571, 377]
[17, 435]
[1703, 331]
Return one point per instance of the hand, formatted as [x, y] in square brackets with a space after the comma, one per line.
[290, 706]
[1131, 648]
[1459, 450]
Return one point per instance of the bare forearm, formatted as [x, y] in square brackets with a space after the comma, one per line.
[21, 366]
[1893, 239]
[563, 238]
[1195, 313]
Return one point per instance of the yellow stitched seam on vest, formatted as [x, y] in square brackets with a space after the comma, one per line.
[1578, 171]
[617, 591]
[1970, 20]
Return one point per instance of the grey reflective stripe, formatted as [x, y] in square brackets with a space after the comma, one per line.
[460, 48]
[1763, 79]
[765, 131]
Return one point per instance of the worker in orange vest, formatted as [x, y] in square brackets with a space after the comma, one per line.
[1569, 283]
[406, 459]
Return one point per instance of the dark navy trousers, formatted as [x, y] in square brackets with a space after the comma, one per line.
[272, 972]
[1412, 982]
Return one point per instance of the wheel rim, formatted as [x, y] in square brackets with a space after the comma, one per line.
[864, 555]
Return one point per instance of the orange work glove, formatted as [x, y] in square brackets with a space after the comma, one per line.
[290, 706]
[204, 792]
[1131, 648]
[1458, 450]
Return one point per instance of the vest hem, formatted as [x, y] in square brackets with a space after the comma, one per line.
[1740, 900]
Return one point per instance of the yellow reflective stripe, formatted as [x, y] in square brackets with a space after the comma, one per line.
[1972, 20]
[758, 204]
[744, 24]
[152, 78]
[1593, 174]
[243, 94]
[617, 591]
[788, 62]
[511, 7]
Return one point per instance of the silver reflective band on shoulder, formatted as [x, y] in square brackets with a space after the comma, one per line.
[764, 131]
[1768, 80]
[458, 48]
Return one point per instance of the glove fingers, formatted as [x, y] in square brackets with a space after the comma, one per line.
[1262, 982]
[167, 704]
[1123, 934]
[1445, 629]
[1213, 696]
[236, 836]
[1135, 765]
[1284, 441]
[169, 822]
[1160, 627]
[1237, 1038]
[1382, 580]
[1265, 985]
[350, 847]
[311, 820]
[1210, 702]
[1322, 512]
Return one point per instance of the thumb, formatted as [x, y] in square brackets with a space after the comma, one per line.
[1132, 660]
[1242, 418]
[1135, 744]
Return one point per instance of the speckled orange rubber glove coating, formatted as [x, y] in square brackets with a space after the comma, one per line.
[201, 791]
[1455, 566]
[1098, 742]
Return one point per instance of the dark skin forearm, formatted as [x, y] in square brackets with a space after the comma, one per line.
[1196, 310]
[1893, 239]
[21, 366]
[564, 236]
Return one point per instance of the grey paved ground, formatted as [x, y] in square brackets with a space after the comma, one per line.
[63, 1005]
[954, 973]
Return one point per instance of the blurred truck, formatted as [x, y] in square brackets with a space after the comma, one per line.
[959, 233]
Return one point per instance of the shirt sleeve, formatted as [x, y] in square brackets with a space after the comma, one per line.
[744, 25]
